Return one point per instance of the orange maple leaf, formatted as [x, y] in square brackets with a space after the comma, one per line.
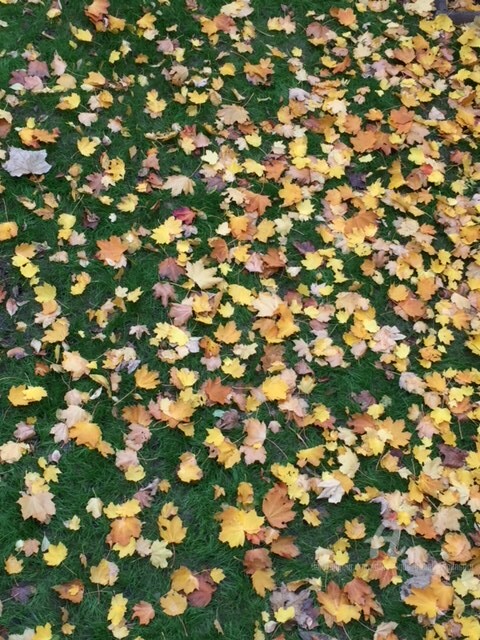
[277, 507]
[364, 141]
[361, 594]
[112, 252]
[216, 392]
[285, 547]
[122, 529]
[345, 17]
[335, 606]
[72, 591]
[144, 612]
[97, 10]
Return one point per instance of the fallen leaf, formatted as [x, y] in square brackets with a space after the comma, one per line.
[105, 573]
[55, 555]
[40, 506]
[202, 595]
[173, 603]
[72, 591]
[431, 600]
[202, 276]
[236, 523]
[21, 162]
[277, 507]
[144, 612]
[117, 610]
[160, 554]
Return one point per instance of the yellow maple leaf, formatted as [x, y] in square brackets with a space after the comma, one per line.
[159, 554]
[198, 98]
[55, 555]
[70, 102]
[116, 169]
[236, 523]
[183, 378]
[86, 433]
[82, 280]
[215, 437]
[433, 599]
[474, 344]
[105, 573]
[84, 35]
[312, 455]
[172, 531]
[283, 614]
[154, 106]
[173, 603]
[168, 231]
[202, 276]
[227, 69]
[87, 146]
[146, 379]
[126, 509]
[13, 565]
[275, 388]
[233, 367]
[184, 580]
[240, 295]
[21, 396]
[43, 632]
[262, 581]
[28, 269]
[114, 56]
[57, 332]
[31, 137]
[217, 575]
[225, 451]
[290, 192]
[355, 529]
[128, 203]
[228, 333]
[349, 463]
[311, 517]
[135, 473]
[470, 627]
[67, 628]
[442, 22]
[147, 21]
[73, 524]
[118, 607]
[189, 471]
[45, 292]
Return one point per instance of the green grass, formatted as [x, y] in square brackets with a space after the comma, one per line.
[84, 474]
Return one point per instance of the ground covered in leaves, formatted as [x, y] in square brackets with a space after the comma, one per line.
[240, 282]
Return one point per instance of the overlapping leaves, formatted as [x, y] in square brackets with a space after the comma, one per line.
[268, 264]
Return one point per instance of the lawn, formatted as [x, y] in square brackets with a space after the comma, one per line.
[239, 320]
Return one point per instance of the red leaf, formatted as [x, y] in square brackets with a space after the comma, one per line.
[203, 595]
